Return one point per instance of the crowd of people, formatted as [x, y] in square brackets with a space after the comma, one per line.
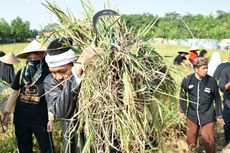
[49, 83]
[200, 100]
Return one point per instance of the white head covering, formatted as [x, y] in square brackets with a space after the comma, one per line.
[60, 59]
[214, 62]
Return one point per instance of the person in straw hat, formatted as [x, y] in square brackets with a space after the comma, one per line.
[181, 57]
[6, 68]
[30, 114]
[193, 54]
[7, 73]
[62, 88]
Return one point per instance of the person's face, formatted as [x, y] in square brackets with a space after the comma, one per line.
[182, 54]
[202, 71]
[61, 73]
[34, 56]
[205, 55]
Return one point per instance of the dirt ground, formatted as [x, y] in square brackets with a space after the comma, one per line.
[219, 140]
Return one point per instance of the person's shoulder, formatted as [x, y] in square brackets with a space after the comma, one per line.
[187, 79]
[18, 74]
[189, 76]
[19, 71]
[226, 69]
[210, 78]
[48, 78]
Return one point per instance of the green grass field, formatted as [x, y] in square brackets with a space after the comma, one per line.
[14, 48]
[169, 52]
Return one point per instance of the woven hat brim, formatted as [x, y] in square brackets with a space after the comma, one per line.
[9, 59]
[23, 55]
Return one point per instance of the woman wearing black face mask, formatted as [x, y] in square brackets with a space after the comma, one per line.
[30, 115]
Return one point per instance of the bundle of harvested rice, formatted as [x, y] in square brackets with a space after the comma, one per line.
[125, 101]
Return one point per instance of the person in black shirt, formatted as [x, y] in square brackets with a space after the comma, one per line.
[200, 90]
[225, 88]
[181, 57]
[30, 114]
[220, 69]
[7, 73]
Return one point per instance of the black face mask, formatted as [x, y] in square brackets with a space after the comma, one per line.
[33, 66]
[34, 62]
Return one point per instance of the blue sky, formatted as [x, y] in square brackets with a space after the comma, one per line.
[39, 16]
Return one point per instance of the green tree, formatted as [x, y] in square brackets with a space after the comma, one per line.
[20, 30]
[4, 30]
[173, 25]
[224, 17]
[34, 33]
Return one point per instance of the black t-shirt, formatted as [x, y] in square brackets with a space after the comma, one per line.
[201, 95]
[179, 59]
[31, 106]
[220, 69]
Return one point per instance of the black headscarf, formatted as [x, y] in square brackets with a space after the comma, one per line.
[7, 72]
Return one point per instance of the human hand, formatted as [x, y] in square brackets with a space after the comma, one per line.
[220, 121]
[50, 126]
[6, 119]
[181, 116]
[88, 53]
[227, 85]
[78, 68]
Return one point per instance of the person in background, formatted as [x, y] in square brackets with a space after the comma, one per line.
[193, 54]
[220, 69]
[30, 114]
[200, 90]
[1, 55]
[224, 85]
[213, 63]
[7, 73]
[181, 57]
[203, 53]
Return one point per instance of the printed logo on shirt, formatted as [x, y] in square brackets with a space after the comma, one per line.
[190, 86]
[208, 90]
[30, 94]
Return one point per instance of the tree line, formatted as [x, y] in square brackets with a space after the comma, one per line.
[176, 26]
[171, 26]
[16, 31]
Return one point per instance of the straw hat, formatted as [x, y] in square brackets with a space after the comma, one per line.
[34, 46]
[9, 59]
[193, 48]
[182, 51]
